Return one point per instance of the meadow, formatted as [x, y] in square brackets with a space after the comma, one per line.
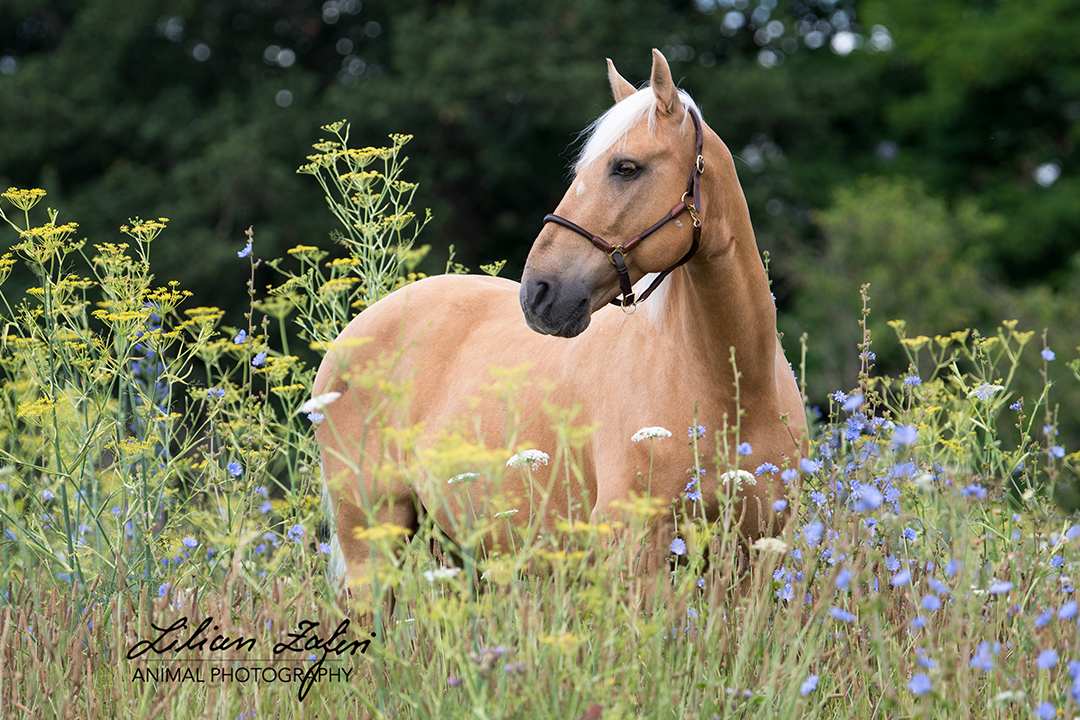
[158, 469]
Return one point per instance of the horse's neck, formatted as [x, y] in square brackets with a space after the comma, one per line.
[723, 301]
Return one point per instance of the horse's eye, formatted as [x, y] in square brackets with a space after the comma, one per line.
[626, 169]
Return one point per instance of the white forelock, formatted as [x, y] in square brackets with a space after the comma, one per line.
[612, 126]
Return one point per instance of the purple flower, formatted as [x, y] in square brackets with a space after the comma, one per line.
[11, 535]
[766, 468]
[453, 680]
[809, 685]
[1044, 617]
[931, 603]
[296, 533]
[841, 614]
[1057, 451]
[47, 495]
[245, 252]
[853, 402]
[974, 490]
[809, 466]
[912, 380]
[697, 431]
[813, 532]
[235, 469]
[789, 475]
[164, 589]
[1000, 587]
[1047, 659]
[1046, 710]
[315, 417]
[870, 498]
[190, 543]
[678, 546]
[920, 684]
[745, 449]
[905, 435]
[900, 579]
[693, 491]
[843, 578]
[215, 393]
[983, 659]
[265, 507]
[258, 359]
[779, 505]
[1068, 610]
[1048, 354]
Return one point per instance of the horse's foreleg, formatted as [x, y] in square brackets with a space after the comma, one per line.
[360, 549]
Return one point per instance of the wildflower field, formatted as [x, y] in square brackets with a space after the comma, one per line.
[165, 552]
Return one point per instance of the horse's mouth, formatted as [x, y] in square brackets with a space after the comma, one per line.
[572, 326]
[548, 316]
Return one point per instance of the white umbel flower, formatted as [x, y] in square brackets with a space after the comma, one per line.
[739, 477]
[771, 545]
[441, 574]
[533, 458]
[650, 433]
[319, 402]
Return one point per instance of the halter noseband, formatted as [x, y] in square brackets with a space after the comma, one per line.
[617, 253]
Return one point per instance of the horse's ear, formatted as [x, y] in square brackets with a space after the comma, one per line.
[620, 88]
[667, 96]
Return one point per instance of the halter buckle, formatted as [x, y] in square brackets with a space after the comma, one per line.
[691, 208]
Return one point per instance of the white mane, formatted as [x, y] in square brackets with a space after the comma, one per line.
[612, 126]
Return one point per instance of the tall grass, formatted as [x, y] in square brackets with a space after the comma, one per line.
[156, 467]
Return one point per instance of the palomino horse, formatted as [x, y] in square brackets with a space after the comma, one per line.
[626, 370]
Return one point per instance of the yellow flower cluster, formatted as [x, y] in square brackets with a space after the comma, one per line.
[35, 410]
[144, 230]
[23, 199]
[338, 285]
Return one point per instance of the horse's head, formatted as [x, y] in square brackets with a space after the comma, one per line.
[632, 172]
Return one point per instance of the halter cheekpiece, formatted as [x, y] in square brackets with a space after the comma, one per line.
[617, 253]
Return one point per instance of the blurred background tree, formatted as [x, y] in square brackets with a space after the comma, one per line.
[927, 148]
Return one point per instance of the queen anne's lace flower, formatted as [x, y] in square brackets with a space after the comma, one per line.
[650, 433]
[319, 402]
[739, 477]
[533, 458]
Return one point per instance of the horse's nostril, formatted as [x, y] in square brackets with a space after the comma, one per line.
[535, 294]
[539, 293]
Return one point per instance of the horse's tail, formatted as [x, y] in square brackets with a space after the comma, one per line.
[335, 568]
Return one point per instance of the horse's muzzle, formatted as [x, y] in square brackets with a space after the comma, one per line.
[552, 308]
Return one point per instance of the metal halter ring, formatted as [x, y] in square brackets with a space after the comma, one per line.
[611, 255]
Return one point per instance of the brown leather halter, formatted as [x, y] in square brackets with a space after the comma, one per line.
[617, 253]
